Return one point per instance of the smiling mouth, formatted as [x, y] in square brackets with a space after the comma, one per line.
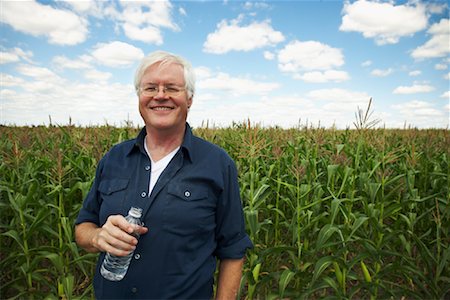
[161, 108]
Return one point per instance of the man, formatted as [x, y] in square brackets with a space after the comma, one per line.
[187, 188]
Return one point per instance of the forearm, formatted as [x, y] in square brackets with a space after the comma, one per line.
[85, 234]
[230, 273]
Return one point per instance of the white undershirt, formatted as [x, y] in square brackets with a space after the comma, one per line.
[157, 167]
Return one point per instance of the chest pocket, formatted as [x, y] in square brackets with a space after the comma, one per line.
[114, 198]
[187, 193]
[110, 186]
[188, 210]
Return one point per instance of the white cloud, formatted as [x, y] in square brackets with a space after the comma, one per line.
[143, 20]
[14, 55]
[148, 34]
[440, 67]
[417, 109]
[446, 95]
[234, 85]
[339, 95]
[61, 27]
[366, 63]
[259, 110]
[43, 80]
[10, 80]
[312, 61]
[89, 7]
[415, 73]
[383, 21]
[447, 76]
[155, 13]
[269, 55]
[182, 11]
[97, 75]
[325, 76]
[438, 44]
[117, 54]
[202, 73]
[381, 73]
[62, 62]
[436, 8]
[36, 72]
[5, 93]
[62, 98]
[339, 104]
[326, 107]
[310, 55]
[256, 5]
[414, 89]
[232, 36]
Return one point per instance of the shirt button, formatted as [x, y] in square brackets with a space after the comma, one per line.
[137, 256]
[143, 194]
[147, 168]
[187, 194]
[134, 290]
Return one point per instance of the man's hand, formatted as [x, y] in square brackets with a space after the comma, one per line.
[113, 237]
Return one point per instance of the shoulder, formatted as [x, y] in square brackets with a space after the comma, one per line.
[120, 150]
[204, 145]
[206, 150]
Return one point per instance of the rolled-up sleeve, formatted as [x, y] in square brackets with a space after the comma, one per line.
[89, 212]
[232, 239]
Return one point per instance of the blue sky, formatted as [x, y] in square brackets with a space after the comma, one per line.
[275, 63]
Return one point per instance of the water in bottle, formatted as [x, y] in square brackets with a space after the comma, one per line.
[114, 267]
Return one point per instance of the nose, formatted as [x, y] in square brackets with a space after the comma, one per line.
[161, 93]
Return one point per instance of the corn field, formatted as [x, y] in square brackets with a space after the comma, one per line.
[346, 214]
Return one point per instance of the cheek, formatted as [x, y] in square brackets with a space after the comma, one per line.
[184, 102]
[142, 102]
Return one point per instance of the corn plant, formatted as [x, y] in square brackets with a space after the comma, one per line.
[345, 214]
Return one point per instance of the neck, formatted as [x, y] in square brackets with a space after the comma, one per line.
[162, 142]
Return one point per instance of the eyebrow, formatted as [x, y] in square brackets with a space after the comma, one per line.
[167, 84]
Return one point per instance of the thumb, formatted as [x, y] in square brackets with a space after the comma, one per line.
[142, 230]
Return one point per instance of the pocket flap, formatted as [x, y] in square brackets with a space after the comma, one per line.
[187, 193]
[110, 186]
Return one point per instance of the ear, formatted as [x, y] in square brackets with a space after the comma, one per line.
[189, 102]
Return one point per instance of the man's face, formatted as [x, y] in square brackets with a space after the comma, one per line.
[164, 111]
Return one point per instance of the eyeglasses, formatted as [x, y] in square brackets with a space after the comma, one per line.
[153, 90]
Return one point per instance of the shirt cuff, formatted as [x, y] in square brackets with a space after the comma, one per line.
[236, 250]
[85, 216]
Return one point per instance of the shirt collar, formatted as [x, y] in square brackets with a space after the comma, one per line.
[186, 145]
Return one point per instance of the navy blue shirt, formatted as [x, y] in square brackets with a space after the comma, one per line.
[194, 215]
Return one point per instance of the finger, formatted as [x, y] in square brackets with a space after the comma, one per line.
[120, 247]
[141, 230]
[114, 250]
[119, 228]
[104, 240]
[122, 223]
[113, 235]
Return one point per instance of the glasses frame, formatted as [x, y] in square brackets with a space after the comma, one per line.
[151, 90]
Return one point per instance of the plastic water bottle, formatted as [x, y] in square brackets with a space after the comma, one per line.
[114, 267]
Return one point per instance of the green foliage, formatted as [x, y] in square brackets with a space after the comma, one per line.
[343, 214]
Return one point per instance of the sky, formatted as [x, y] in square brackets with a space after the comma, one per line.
[273, 63]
